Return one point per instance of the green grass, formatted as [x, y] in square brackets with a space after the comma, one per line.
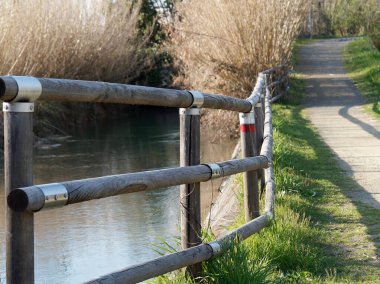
[320, 235]
[362, 60]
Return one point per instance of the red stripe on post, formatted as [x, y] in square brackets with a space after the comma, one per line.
[247, 127]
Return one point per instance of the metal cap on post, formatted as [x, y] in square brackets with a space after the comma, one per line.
[18, 107]
[190, 111]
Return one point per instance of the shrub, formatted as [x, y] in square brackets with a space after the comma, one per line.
[375, 37]
[342, 17]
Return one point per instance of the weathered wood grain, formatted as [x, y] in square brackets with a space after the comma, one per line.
[8, 88]
[267, 150]
[251, 192]
[171, 262]
[190, 195]
[18, 166]
[64, 90]
[101, 187]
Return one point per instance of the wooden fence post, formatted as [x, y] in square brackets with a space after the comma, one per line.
[18, 154]
[251, 190]
[190, 193]
[259, 122]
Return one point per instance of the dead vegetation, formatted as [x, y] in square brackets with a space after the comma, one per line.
[90, 40]
[222, 45]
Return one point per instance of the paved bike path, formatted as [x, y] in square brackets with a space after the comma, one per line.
[334, 106]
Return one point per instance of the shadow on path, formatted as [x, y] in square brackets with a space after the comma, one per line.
[331, 97]
[323, 168]
[365, 126]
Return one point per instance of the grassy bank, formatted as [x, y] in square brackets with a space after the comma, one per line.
[363, 64]
[319, 234]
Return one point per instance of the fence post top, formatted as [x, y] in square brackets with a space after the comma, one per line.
[18, 107]
[190, 111]
[247, 117]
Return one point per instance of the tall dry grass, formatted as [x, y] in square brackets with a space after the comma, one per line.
[223, 44]
[91, 40]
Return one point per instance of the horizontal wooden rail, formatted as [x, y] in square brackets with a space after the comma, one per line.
[29, 199]
[277, 97]
[89, 91]
[257, 92]
[278, 82]
[275, 69]
[267, 151]
[171, 262]
[34, 198]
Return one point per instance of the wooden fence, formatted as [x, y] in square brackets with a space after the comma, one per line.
[24, 199]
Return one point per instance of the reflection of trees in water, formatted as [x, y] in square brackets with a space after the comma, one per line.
[112, 232]
[141, 139]
[148, 139]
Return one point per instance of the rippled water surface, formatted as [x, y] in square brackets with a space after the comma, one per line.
[82, 241]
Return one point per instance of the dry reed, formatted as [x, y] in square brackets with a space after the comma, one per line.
[91, 40]
[223, 44]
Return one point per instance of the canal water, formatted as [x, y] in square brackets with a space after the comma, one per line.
[84, 241]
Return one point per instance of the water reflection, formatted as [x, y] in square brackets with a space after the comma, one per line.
[82, 241]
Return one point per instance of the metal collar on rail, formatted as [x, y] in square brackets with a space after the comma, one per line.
[56, 195]
[198, 99]
[29, 89]
[216, 248]
[216, 170]
[270, 215]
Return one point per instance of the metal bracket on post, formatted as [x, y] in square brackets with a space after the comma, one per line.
[18, 107]
[190, 111]
[29, 89]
